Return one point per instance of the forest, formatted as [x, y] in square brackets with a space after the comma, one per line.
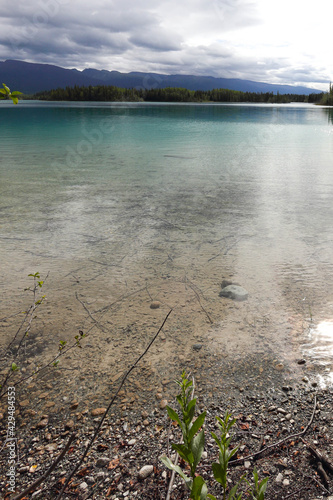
[170, 94]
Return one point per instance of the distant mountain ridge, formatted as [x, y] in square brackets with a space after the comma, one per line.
[32, 77]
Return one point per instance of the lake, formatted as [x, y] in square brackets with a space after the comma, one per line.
[124, 204]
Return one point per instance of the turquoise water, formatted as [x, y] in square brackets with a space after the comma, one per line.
[243, 188]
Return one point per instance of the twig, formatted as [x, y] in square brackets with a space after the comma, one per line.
[172, 479]
[48, 472]
[90, 315]
[198, 297]
[253, 455]
[89, 445]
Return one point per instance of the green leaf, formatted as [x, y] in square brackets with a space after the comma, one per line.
[6, 88]
[14, 367]
[199, 489]
[174, 416]
[218, 472]
[3, 91]
[167, 462]
[211, 497]
[197, 447]
[14, 99]
[16, 92]
[183, 452]
[196, 425]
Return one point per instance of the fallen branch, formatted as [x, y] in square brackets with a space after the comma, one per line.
[48, 472]
[186, 281]
[89, 445]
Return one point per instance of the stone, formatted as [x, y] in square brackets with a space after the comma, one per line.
[51, 447]
[163, 403]
[197, 347]
[132, 442]
[279, 478]
[83, 486]
[69, 425]
[247, 465]
[286, 482]
[103, 461]
[234, 292]
[155, 304]
[97, 412]
[145, 471]
[43, 423]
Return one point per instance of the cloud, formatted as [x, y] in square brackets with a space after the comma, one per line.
[227, 38]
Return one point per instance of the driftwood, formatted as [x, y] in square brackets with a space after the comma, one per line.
[323, 464]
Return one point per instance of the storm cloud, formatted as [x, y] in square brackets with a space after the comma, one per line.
[222, 38]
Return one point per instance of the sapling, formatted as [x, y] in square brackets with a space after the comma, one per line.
[193, 441]
[193, 444]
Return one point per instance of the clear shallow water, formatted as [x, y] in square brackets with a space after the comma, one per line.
[245, 188]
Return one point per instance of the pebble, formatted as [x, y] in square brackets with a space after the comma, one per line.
[281, 410]
[97, 412]
[286, 482]
[69, 425]
[103, 461]
[197, 347]
[247, 465]
[43, 423]
[155, 304]
[83, 486]
[131, 442]
[145, 471]
[279, 478]
[163, 403]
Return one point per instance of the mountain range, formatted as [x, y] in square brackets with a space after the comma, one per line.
[30, 78]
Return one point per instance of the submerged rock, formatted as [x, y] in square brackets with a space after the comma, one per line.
[234, 292]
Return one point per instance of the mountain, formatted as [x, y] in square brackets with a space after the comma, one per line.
[31, 78]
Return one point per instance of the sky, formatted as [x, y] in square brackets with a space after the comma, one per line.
[285, 42]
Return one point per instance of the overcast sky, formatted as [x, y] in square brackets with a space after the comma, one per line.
[285, 42]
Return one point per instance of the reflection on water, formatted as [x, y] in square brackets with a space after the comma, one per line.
[320, 347]
[150, 193]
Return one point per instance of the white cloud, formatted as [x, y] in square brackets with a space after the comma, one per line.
[288, 42]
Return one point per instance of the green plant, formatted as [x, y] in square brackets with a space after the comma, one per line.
[193, 444]
[259, 488]
[192, 447]
[220, 468]
[7, 94]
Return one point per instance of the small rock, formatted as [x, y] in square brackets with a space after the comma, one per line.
[43, 423]
[158, 395]
[103, 461]
[286, 482]
[301, 361]
[281, 410]
[197, 347]
[145, 471]
[163, 403]
[288, 416]
[97, 412]
[132, 442]
[74, 405]
[51, 447]
[146, 422]
[155, 304]
[234, 292]
[83, 486]
[279, 367]
[279, 478]
[24, 403]
[247, 465]
[69, 425]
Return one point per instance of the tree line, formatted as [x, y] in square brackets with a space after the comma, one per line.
[170, 94]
